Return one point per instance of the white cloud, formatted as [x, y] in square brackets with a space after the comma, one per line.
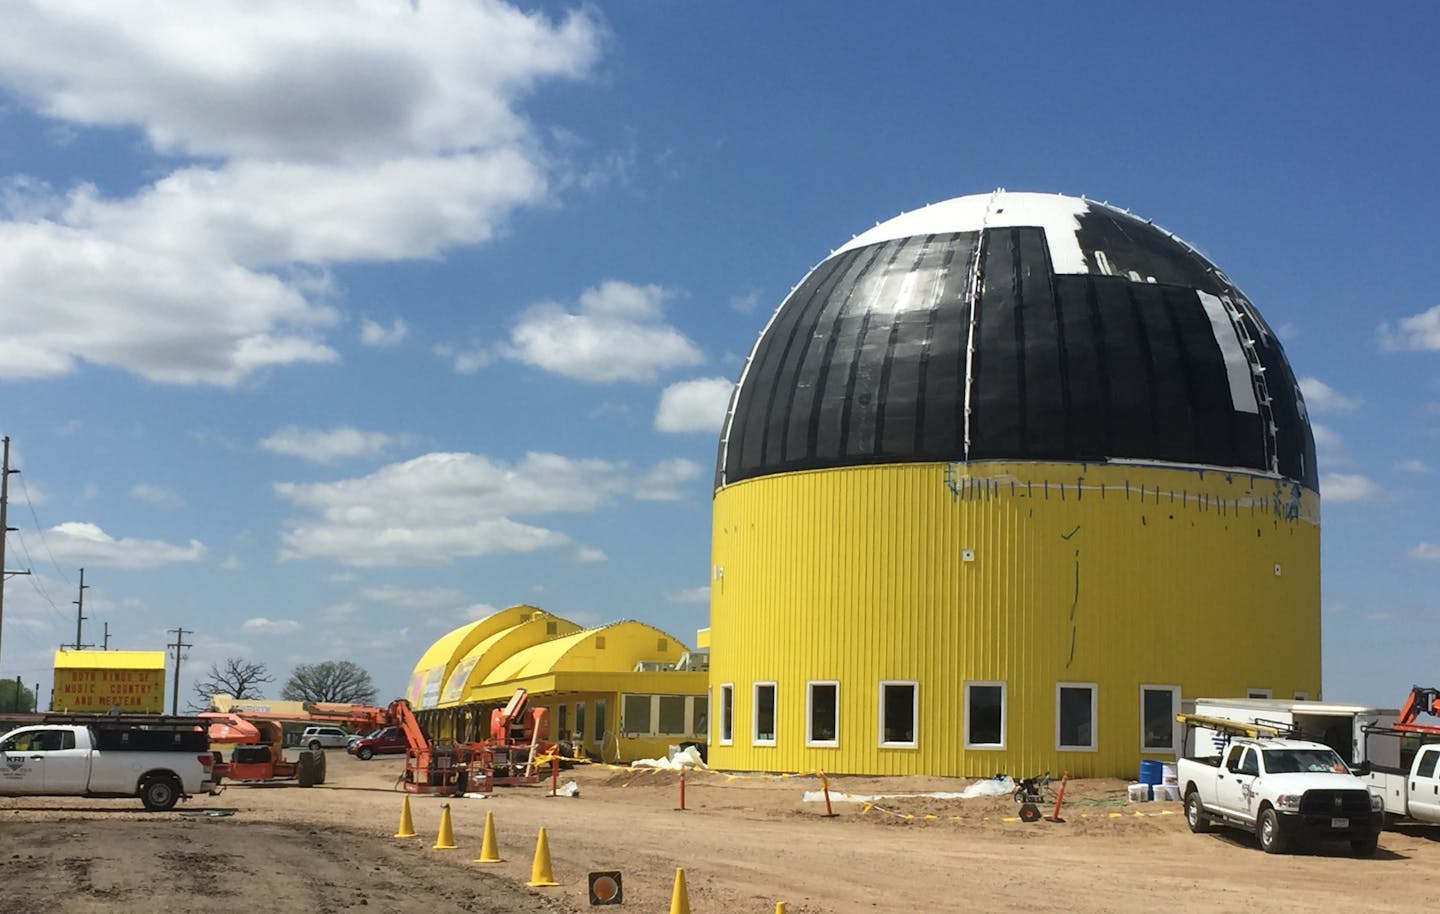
[271, 79]
[475, 611]
[330, 134]
[1322, 398]
[588, 554]
[746, 302]
[1430, 552]
[83, 542]
[665, 481]
[265, 626]
[690, 595]
[412, 597]
[1418, 331]
[465, 361]
[232, 562]
[694, 406]
[1338, 487]
[1411, 466]
[1329, 446]
[326, 445]
[380, 336]
[155, 494]
[615, 334]
[439, 507]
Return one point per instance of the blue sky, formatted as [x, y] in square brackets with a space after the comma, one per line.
[328, 328]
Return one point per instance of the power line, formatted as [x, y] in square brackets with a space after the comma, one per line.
[40, 529]
[35, 578]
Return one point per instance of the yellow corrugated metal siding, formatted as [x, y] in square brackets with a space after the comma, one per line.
[472, 669]
[440, 659]
[1159, 576]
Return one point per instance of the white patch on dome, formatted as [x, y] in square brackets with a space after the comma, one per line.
[1237, 367]
[1057, 214]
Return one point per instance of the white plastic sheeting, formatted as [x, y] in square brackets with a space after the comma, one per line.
[993, 787]
[679, 758]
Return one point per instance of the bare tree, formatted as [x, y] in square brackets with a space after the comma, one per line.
[237, 677]
[330, 680]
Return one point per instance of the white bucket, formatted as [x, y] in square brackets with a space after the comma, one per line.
[1166, 791]
[1168, 774]
[1139, 793]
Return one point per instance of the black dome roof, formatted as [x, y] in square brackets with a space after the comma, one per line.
[1016, 326]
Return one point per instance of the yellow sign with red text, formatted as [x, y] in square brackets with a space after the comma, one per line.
[131, 681]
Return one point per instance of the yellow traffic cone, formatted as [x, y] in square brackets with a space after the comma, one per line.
[407, 825]
[540, 869]
[488, 852]
[680, 898]
[445, 841]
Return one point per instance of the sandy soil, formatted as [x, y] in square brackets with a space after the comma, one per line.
[745, 843]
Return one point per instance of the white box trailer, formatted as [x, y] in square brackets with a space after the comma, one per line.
[1339, 726]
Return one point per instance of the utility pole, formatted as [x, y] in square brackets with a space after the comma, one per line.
[80, 613]
[5, 529]
[179, 645]
[107, 637]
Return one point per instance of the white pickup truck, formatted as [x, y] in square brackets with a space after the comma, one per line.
[1281, 789]
[1413, 792]
[158, 761]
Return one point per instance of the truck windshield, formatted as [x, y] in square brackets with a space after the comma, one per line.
[1283, 761]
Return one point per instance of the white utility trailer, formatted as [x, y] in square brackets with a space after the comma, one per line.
[1339, 726]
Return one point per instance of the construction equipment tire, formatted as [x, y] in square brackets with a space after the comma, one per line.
[309, 771]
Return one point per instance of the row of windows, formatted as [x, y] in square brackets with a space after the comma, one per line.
[898, 703]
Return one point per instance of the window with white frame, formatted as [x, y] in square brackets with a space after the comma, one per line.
[985, 715]
[1257, 693]
[1158, 706]
[663, 715]
[899, 708]
[727, 713]
[635, 714]
[822, 714]
[1075, 709]
[764, 732]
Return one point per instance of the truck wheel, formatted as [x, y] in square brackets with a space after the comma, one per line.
[160, 793]
[1365, 847]
[1272, 839]
[307, 770]
[324, 763]
[364, 753]
[1195, 813]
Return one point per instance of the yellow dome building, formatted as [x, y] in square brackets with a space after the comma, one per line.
[1004, 482]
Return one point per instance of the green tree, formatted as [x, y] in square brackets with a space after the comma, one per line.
[15, 697]
[236, 677]
[330, 680]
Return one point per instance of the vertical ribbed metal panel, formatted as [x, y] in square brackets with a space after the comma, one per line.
[1117, 575]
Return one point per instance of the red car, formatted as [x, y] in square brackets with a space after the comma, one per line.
[386, 740]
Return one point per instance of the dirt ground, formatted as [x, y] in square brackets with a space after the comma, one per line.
[744, 843]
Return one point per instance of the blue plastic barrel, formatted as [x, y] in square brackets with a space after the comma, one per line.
[1152, 771]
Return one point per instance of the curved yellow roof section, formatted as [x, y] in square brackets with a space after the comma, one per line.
[449, 648]
[613, 648]
[498, 647]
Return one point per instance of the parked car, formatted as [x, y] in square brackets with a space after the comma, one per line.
[357, 737]
[324, 737]
[159, 764]
[389, 740]
[1281, 789]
